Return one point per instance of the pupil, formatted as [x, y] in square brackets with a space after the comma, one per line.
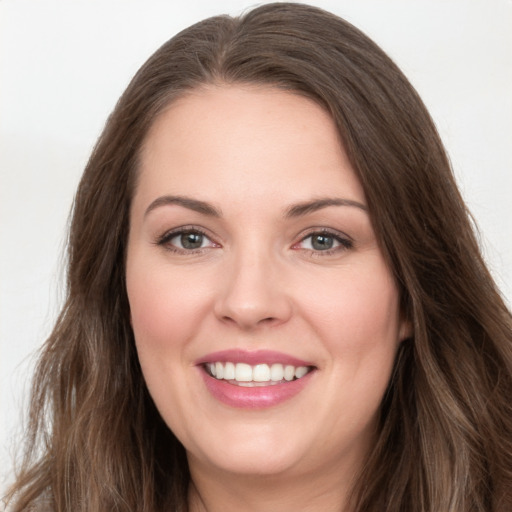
[322, 242]
[191, 240]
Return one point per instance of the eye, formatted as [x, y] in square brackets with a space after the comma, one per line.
[189, 240]
[186, 240]
[319, 242]
[324, 242]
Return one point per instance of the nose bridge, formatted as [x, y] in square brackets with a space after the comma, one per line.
[253, 292]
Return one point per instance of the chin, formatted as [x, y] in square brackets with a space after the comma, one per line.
[253, 464]
[261, 456]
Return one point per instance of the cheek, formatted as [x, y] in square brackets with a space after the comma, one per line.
[356, 312]
[164, 306]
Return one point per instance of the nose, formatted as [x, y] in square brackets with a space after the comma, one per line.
[253, 292]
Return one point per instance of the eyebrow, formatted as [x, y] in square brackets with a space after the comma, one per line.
[187, 202]
[297, 210]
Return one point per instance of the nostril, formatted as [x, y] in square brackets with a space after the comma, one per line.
[262, 321]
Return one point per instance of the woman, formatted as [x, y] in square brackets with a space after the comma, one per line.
[275, 297]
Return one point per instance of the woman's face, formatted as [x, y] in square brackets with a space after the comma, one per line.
[265, 317]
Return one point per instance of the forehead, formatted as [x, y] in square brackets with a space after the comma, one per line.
[245, 139]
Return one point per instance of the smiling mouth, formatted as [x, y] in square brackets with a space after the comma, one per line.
[246, 375]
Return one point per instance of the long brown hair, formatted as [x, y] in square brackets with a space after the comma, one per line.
[96, 441]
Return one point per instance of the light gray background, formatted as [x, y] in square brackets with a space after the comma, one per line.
[63, 65]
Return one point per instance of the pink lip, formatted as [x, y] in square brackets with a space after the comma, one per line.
[251, 357]
[252, 397]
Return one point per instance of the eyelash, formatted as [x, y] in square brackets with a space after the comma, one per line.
[165, 239]
[345, 243]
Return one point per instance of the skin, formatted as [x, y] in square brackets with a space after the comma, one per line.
[258, 282]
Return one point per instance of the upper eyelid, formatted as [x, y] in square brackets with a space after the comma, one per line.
[187, 228]
[345, 241]
[171, 233]
[164, 241]
[324, 231]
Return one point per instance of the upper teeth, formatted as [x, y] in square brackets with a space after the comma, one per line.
[243, 372]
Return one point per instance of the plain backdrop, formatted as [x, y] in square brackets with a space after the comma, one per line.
[63, 64]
